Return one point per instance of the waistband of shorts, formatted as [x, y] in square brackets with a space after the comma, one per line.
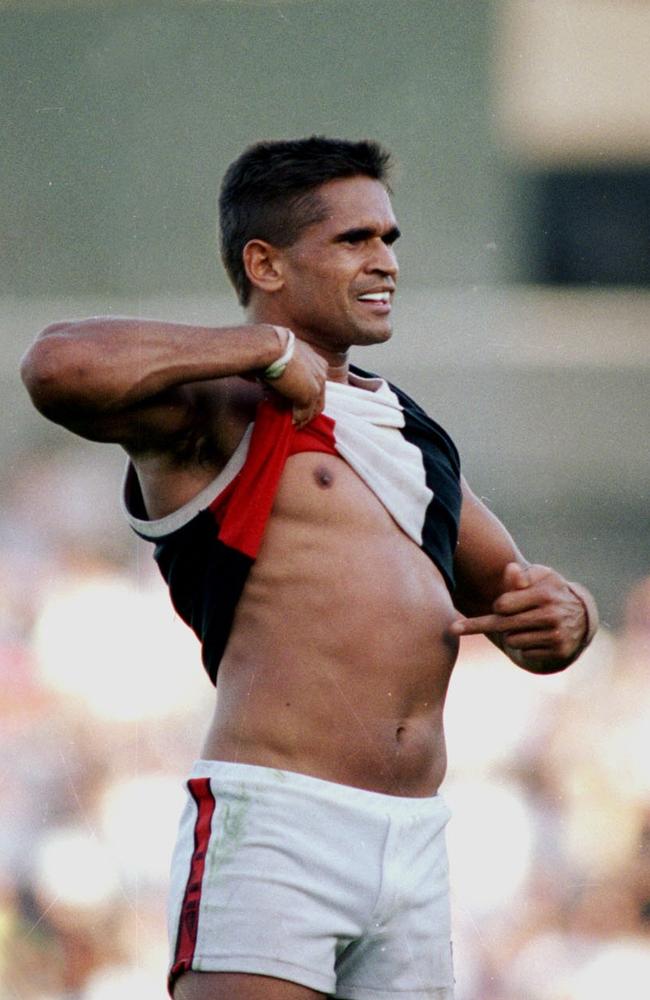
[262, 776]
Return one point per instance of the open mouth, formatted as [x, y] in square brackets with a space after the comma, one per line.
[381, 297]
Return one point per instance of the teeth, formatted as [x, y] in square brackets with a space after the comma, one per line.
[375, 297]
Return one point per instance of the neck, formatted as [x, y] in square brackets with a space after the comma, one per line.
[337, 371]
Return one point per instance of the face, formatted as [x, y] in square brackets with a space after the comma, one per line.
[339, 277]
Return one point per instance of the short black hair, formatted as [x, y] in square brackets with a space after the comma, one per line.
[269, 192]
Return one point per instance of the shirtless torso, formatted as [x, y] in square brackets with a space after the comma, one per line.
[317, 677]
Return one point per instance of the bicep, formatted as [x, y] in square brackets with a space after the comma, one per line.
[484, 549]
[91, 385]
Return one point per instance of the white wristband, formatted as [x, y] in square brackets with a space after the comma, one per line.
[276, 368]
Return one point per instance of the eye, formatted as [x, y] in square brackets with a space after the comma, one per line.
[354, 237]
[391, 237]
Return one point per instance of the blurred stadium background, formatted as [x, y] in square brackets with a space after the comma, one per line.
[522, 132]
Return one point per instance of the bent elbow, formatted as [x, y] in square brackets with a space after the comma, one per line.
[50, 370]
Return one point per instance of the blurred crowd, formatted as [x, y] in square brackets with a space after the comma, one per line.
[102, 702]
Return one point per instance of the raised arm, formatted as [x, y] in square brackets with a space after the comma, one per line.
[540, 620]
[129, 380]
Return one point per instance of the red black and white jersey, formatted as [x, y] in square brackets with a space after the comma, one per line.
[206, 548]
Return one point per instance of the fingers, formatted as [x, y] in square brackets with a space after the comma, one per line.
[525, 588]
[485, 624]
[543, 639]
[473, 626]
[517, 601]
[529, 603]
[539, 617]
[542, 642]
[303, 414]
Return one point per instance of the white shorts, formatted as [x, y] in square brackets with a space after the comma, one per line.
[339, 889]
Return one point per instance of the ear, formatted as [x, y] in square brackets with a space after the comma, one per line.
[263, 263]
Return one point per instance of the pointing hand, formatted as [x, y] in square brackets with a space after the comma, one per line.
[537, 618]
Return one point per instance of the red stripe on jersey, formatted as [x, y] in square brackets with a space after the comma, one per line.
[318, 435]
[188, 923]
[243, 508]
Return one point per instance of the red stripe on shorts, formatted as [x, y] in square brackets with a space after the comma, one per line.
[188, 923]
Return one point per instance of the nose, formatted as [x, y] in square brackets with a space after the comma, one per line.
[383, 259]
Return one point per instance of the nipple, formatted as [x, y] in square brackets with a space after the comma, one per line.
[323, 476]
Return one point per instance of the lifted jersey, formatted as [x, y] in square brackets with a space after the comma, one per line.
[206, 548]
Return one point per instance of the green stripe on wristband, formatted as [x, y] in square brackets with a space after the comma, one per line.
[277, 367]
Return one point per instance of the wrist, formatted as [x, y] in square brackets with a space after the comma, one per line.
[590, 612]
[287, 340]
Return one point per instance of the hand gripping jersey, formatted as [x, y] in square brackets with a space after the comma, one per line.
[206, 549]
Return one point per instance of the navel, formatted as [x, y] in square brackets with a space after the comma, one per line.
[323, 476]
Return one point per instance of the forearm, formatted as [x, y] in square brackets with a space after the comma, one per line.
[108, 364]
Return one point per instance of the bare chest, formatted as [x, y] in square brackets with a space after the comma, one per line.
[323, 491]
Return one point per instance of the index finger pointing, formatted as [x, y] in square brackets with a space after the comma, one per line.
[482, 625]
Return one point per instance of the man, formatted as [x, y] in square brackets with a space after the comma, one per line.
[314, 530]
